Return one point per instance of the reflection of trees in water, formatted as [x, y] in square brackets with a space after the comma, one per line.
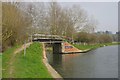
[87, 65]
[70, 56]
[57, 59]
[76, 66]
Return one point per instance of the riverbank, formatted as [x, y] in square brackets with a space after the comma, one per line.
[0, 65]
[86, 48]
[28, 66]
[52, 71]
[6, 56]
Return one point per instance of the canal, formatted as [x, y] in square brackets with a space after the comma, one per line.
[99, 63]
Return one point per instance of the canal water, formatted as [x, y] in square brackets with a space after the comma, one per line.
[99, 63]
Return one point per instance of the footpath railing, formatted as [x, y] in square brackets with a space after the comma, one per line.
[44, 36]
[53, 37]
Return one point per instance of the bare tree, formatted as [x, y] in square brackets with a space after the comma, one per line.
[38, 13]
[90, 25]
[59, 20]
[104, 38]
[54, 11]
[78, 17]
[14, 25]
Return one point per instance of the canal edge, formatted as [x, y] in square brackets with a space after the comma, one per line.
[51, 70]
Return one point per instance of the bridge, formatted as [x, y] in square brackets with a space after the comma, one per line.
[47, 38]
[58, 43]
[55, 40]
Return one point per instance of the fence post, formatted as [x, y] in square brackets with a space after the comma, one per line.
[24, 48]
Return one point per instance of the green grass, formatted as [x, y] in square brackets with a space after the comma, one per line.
[0, 65]
[85, 47]
[30, 65]
[5, 60]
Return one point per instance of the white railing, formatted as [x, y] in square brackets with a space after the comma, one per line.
[44, 36]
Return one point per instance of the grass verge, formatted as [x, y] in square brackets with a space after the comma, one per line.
[6, 56]
[85, 47]
[30, 65]
[0, 65]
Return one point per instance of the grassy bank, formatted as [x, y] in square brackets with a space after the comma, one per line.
[85, 47]
[6, 56]
[30, 65]
[0, 65]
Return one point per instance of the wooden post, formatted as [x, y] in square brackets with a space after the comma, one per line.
[31, 37]
[24, 48]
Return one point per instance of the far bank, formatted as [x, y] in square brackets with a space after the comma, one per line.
[89, 47]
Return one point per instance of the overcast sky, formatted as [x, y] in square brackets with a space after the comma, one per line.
[106, 13]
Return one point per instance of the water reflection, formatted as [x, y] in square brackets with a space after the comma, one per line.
[99, 63]
[57, 59]
[54, 58]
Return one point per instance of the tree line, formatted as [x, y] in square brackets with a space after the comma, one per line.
[22, 19]
[94, 38]
[14, 25]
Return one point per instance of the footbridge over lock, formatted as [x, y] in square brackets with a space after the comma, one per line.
[58, 43]
[55, 40]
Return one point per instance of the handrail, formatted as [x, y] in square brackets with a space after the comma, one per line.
[46, 36]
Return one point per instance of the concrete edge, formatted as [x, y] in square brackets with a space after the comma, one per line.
[82, 51]
[51, 70]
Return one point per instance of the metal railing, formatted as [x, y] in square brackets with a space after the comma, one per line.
[44, 36]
